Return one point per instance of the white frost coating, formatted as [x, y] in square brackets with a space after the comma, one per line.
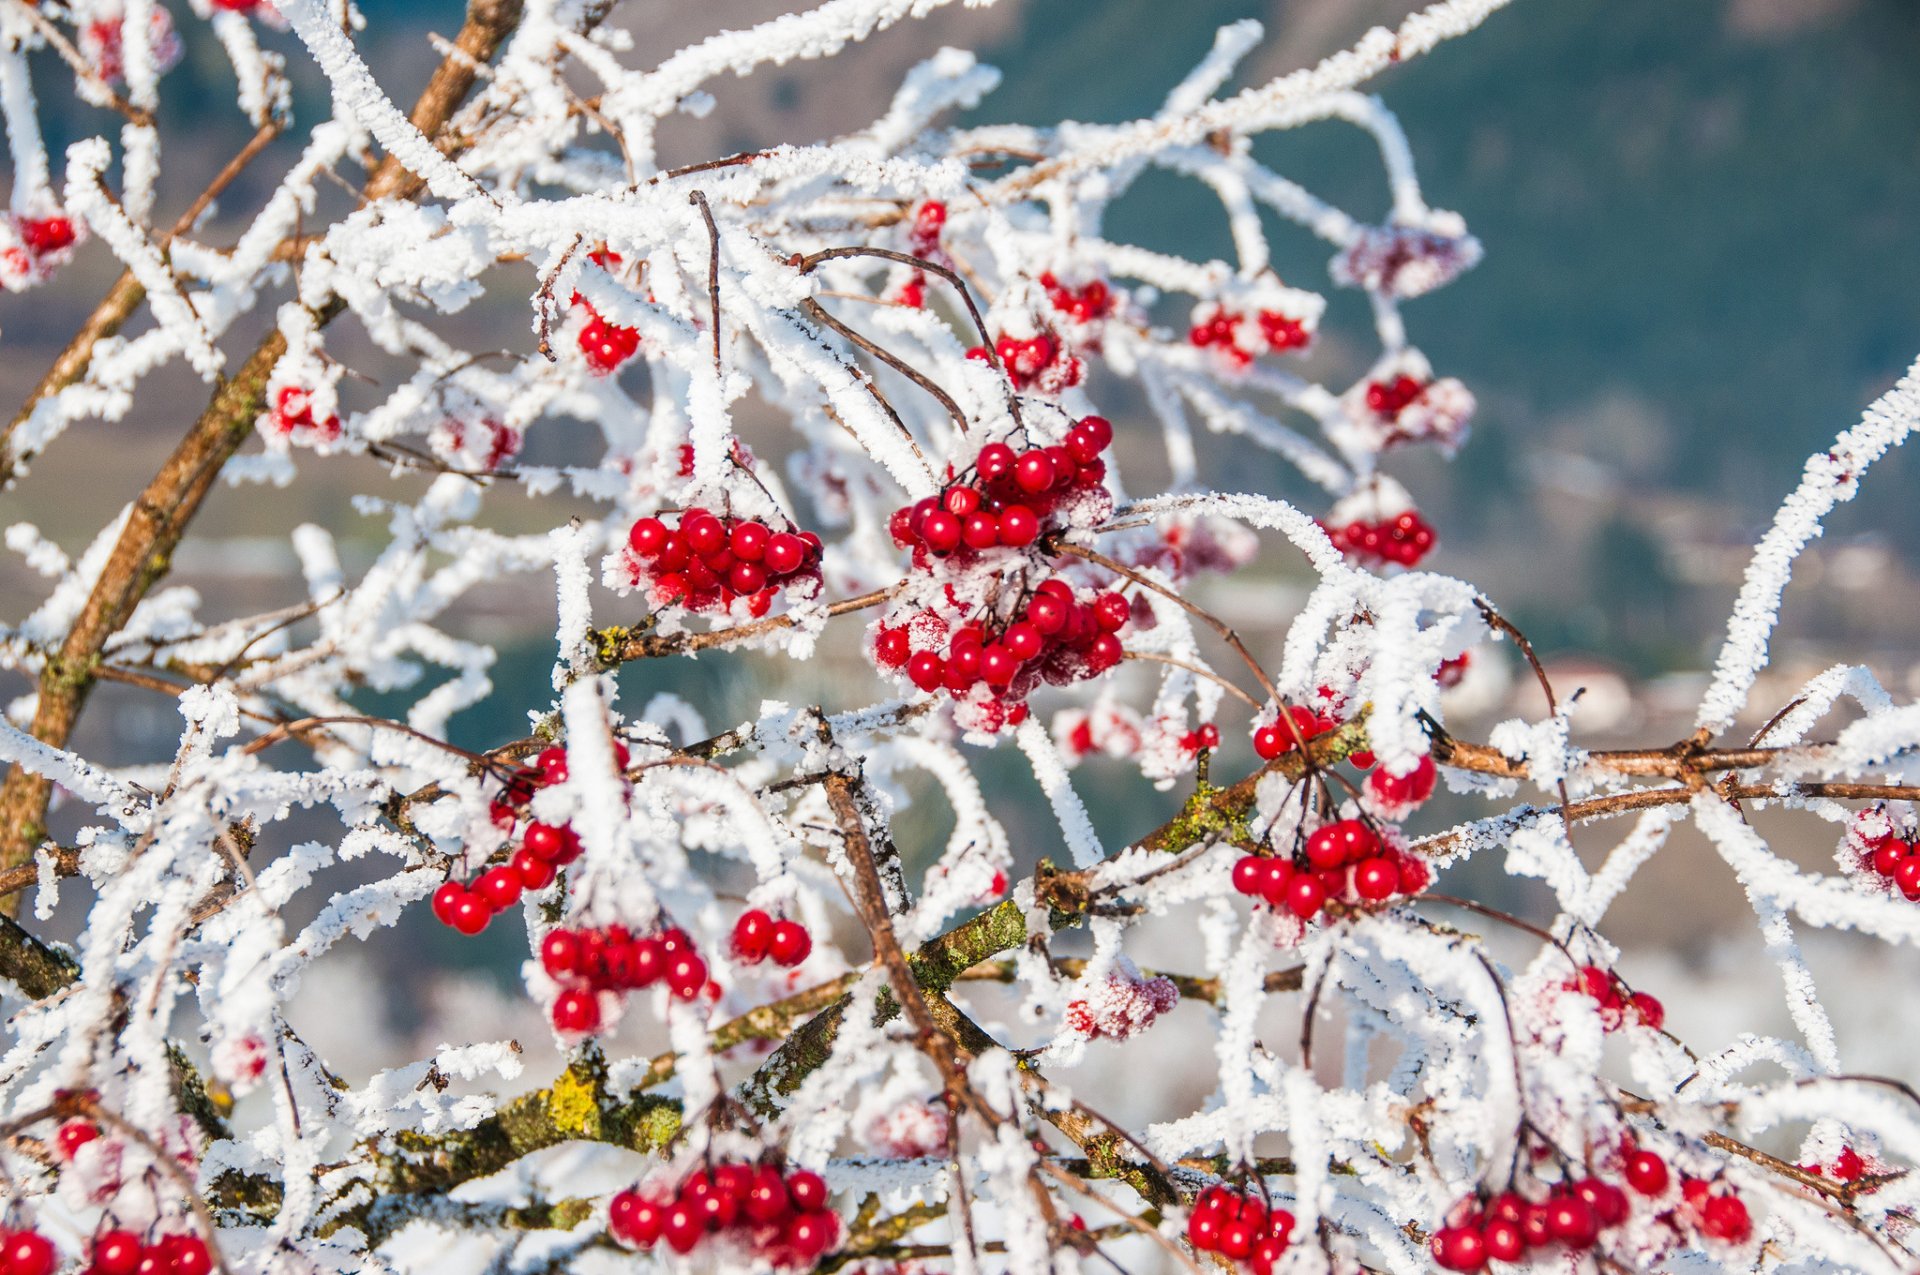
[1050, 772]
[1830, 477]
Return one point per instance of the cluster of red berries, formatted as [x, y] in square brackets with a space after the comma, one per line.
[1404, 538]
[1221, 330]
[590, 961]
[1342, 862]
[293, 410]
[1208, 736]
[782, 1217]
[1091, 300]
[1390, 398]
[1571, 1217]
[708, 561]
[122, 1253]
[605, 345]
[1391, 793]
[1240, 1226]
[44, 236]
[1038, 361]
[1615, 999]
[758, 937]
[1060, 640]
[1897, 861]
[1275, 739]
[544, 849]
[1011, 496]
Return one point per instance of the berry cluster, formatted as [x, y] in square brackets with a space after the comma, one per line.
[1404, 538]
[1571, 1218]
[758, 937]
[587, 962]
[293, 410]
[1060, 639]
[1091, 300]
[1240, 341]
[1616, 999]
[1242, 1227]
[1395, 795]
[1343, 862]
[1897, 861]
[781, 1218]
[544, 849]
[605, 345]
[1275, 739]
[1036, 362]
[708, 561]
[485, 444]
[1121, 1005]
[1390, 398]
[1208, 736]
[1010, 498]
[34, 248]
[122, 1253]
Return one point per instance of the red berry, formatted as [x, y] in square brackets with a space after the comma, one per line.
[1305, 895]
[749, 541]
[807, 1190]
[1249, 874]
[1270, 741]
[686, 975]
[1848, 1166]
[1203, 1229]
[1047, 613]
[470, 913]
[648, 537]
[1888, 854]
[1459, 1248]
[811, 1234]
[1236, 1239]
[116, 1252]
[576, 1011]
[786, 553]
[751, 934]
[648, 960]
[635, 1220]
[534, 872]
[499, 886]
[703, 532]
[941, 530]
[1104, 653]
[1022, 640]
[1503, 1241]
[1323, 847]
[788, 943]
[1726, 1218]
[1278, 880]
[1111, 611]
[1033, 471]
[1376, 878]
[1572, 1222]
[998, 665]
[544, 841]
[1018, 526]
[960, 501]
[448, 894]
[683, 1227]
[890, 647]
[1651, 1012]
[994, 460]
[1646, 1173]
[73, 1135]
[1608, 1202]
[767, 1198]
[560, 953]
[1907, 877]
[925, 670]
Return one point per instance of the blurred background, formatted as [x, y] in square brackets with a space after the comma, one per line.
[1702, 224]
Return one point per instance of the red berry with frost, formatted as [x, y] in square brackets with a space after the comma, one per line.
[788, 942]
[752, 934]
[1376, 878]
[1726, 1218]
[1459, 1248]
[576, 1012]
[1646, 1172]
